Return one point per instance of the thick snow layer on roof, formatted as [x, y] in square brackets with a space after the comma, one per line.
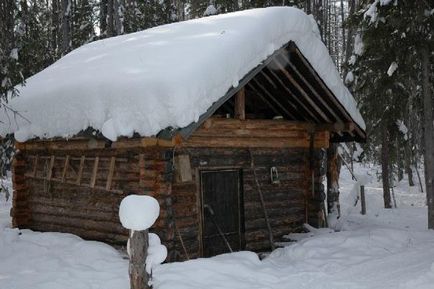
[163, 77]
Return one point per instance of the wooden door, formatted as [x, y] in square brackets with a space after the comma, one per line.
[221, 211]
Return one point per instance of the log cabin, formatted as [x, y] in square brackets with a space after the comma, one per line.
[239, 175]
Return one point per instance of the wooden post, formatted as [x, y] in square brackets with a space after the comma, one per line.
[94, 172]
[333, 170]
[50, 168]
[138, 251]
[80, 171]
[108, 184]
[362, 200]
[240, 104]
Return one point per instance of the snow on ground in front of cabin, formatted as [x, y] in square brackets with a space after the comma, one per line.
[384, 249]
[55, 260]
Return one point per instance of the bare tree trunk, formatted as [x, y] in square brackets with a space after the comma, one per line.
[308, 7]
[325, 21]
[428, 136]
[110, 18]
[55, 27]
[66, 26]
[385, 167]
[343, 23]
[103, 17]
[349, 39]
[118, 17]
[399, 163]
[407, 163]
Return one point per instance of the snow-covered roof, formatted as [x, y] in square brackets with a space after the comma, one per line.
[166, 76]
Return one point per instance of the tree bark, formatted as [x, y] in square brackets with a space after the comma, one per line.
[428, 135]
[333, 169]
[385, 167]
[66, 26]
[110, 18]
[138, 251]
[407, 161]
[103, 17]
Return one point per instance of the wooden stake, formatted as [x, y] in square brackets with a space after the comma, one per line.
[94, 172]
[142, 169]
[65, 168]
[110, 174]
[80, 170]
[187, 256]
[362, 200]
[138, 248]
[240, 104]
[50, 168]
[35, 165]
[261, 198]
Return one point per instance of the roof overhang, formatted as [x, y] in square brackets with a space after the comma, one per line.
[290, 85]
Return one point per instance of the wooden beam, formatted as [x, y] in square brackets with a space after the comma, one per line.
[80, 170]
[264, 99]
[35, 165]
[142, 169]
[293, 48]
[271, 97]
[94, 172]
[281, 96]
[294, 97]
[301, 90]
[50, 168]
[110, 173]
[65, 168]
[310, 87]
[332, 97]
[240, 104]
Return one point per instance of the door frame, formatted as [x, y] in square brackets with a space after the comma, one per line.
[241, 220]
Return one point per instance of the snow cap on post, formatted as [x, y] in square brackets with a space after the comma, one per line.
[138, 213]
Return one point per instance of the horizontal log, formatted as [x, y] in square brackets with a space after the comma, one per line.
[254, 133]
[187, 222]
[81, 213]
[120, 239]
[100, 226]
[250, 142]
[265, 124]
[293, 221]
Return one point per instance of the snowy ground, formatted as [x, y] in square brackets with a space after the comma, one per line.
[384, 249]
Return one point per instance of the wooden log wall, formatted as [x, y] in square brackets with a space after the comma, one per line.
[229, 143]
[316, 191]
[77, 188]
[285, 202]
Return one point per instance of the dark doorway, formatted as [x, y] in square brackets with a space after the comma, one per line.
[222, 212]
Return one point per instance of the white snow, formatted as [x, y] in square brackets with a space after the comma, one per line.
[56, 260]
[157, 253]
[162, 77]
[14, 54]
[402, 128]
[392, 68]
[385, 249]
[372, 12]
[349, 78]
[138, 213]
[358, 45]
[385, 2]
[210, 10]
